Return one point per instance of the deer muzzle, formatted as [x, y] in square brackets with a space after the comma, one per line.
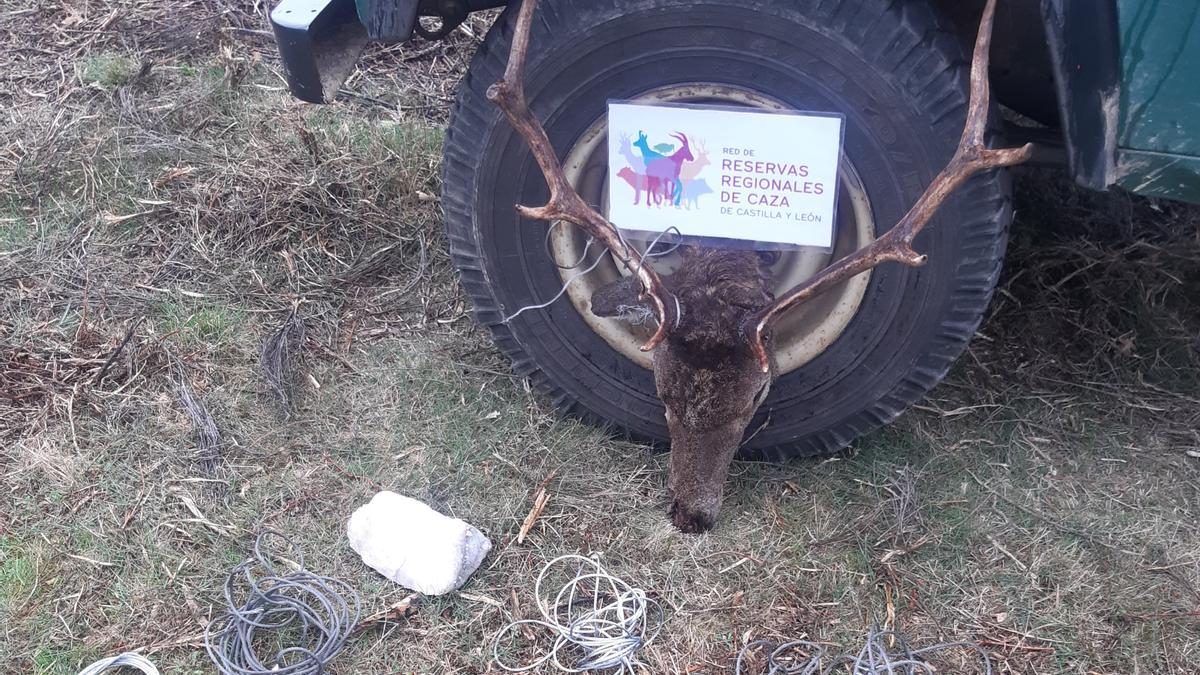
[700, 460]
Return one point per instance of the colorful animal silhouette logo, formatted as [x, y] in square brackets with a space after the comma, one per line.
[665, 173]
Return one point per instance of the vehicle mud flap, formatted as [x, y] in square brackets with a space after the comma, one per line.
[319, 41]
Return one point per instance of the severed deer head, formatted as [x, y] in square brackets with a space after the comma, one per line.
[713, 364]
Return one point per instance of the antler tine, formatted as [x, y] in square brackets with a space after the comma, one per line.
[980, 100]
[565, 203]
[972, 157]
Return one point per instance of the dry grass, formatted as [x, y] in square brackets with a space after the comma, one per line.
[170, 215]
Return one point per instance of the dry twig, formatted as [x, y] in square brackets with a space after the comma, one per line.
[400, 610]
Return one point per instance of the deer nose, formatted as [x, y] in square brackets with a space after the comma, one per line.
[692, 521]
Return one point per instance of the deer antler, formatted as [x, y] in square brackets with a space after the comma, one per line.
[565, 203]
[972, 157]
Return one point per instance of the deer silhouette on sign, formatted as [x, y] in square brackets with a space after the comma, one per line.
[662, 177]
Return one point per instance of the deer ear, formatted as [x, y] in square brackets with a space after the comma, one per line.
[620, 299]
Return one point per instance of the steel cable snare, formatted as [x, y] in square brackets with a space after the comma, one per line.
[801, 657]
[282, 624]
[598, 621]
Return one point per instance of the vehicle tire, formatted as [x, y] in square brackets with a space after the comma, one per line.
[893, 69]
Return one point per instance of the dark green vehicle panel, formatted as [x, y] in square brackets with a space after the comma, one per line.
[1159, 137]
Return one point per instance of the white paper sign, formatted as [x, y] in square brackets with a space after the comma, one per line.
[721, 172]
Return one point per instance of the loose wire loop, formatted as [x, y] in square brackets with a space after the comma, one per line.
[305, 618]
[801, 657]
[127, 660]
[598, 621]
[567, 284]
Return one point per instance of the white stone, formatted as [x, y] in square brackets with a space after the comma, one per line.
[415, 546]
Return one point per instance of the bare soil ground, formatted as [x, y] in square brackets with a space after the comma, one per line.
[165, 207]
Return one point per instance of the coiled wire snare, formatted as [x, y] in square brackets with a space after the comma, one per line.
[598, 621]
[128, 660]
[801, 657]
[298, 620]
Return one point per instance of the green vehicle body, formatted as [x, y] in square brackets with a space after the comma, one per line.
[1158, 150]
[1115, 82]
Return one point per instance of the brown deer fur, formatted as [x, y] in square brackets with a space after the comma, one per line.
[705, 371]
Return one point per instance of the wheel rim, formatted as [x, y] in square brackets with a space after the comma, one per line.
[798, 337]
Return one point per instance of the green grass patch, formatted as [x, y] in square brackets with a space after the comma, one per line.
[17, 573]
[215, 325]
[411, 149]
[109, 70]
